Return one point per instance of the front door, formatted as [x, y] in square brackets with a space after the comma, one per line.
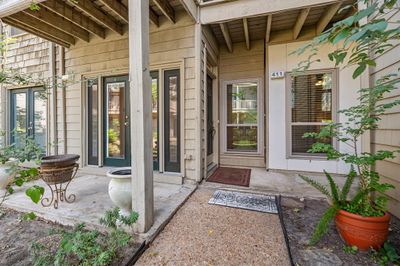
[28, 116]
[116, 121]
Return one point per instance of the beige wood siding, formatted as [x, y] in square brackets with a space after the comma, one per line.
[242, 64]
[170, 44]
[387, 137]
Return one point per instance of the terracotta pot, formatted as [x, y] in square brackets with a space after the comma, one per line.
[362, 232]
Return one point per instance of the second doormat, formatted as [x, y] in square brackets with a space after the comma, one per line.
[247, 201]
[231, 176]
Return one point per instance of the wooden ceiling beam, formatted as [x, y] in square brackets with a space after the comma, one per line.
[153, 17]
[268, 30]
[246, 33]
[67, 12]
[327, 17]
[300, 22]
[118, 8]
[166, 9]
[89, 8]
[34, 31]
[43, 27]
[58, 22]
[227, 36]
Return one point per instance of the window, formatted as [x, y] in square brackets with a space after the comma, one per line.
[28, 115]
[311, 102]
[242, 117]
[15, 31]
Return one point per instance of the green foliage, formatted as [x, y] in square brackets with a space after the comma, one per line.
[35, 193]
[350, 249]
[323, 225]
[386, 255]
[29, 216]
[88, 247]
[357, 41]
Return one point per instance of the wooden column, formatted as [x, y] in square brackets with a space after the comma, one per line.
[140, 109]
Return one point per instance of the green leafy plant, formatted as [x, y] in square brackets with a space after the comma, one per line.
[357, 41]
[387, 254]
[350, 249]
[88, 247]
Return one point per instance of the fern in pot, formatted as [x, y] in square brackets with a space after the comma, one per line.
[362, 220]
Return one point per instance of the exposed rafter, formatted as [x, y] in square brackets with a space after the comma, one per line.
[300, 22]
[34, 31]
[246, 33]
[327, 17]
[117, 8]
[75, 17]
[227, 36]
[153, 17]
[43, 27]
[58, 22]
[166, 9]
[268, 30]
[89, 8]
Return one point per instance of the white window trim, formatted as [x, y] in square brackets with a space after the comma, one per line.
[288, 123]
[260, 117]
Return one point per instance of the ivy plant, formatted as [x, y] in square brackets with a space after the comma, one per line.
[357, 41]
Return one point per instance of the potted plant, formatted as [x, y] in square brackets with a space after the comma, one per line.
[362, 220]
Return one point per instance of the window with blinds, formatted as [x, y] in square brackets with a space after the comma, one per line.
[311, 106]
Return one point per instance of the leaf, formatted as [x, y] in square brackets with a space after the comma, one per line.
[348, 183]
[321, 188]
[341, 35]
[19, 181]
[35, 193]
[323, 225]
[359, 70]
[29, 216]
[334, 188]
[10, 190]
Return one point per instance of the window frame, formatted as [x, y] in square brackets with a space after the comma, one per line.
[260, 117]
[288, 108]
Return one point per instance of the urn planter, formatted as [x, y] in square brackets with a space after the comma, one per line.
[362, 232]
[120, 189]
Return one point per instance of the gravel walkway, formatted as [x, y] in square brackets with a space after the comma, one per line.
[203, 234]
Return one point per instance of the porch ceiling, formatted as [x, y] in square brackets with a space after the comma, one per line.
[65, 21]
[299, 24]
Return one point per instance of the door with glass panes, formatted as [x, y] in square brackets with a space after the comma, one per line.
[28, 112]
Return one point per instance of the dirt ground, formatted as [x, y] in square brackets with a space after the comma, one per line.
[17, 236]
[300, 220]
[203, 234]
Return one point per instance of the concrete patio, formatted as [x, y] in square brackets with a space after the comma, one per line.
[92, 201]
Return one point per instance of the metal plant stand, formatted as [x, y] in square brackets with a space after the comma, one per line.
[58, 180]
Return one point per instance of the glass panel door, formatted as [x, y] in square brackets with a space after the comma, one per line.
[242, 117]
[39, 129]
[171, 120]
[19, 116]
[93, 120]
[154, 119]
[116, 122]
[28, 116]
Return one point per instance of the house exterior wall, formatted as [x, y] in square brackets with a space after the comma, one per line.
[242, 64]
[280, 60]
[387, 137]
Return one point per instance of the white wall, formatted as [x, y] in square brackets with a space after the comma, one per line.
[280, 60]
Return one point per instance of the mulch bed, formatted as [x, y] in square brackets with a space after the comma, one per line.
[17, 236]
[231, 176]
[300, 219]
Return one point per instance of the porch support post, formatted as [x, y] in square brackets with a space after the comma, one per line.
[140, 110]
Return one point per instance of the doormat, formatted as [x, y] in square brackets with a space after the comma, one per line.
[247, 201]
[231, 176]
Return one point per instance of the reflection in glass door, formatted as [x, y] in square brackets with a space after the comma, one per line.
[210, 123]
[28, 116]
[116, 121]
[154, 119]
